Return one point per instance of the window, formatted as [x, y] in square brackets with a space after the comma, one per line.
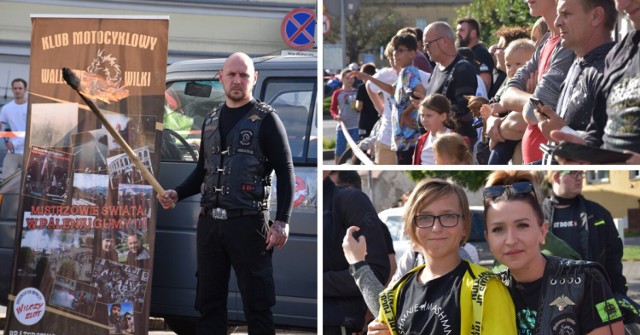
[293, 99]
[186, 105]
[634, 175]
[596, 177]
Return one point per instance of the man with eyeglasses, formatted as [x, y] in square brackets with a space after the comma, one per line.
[129, 327]
[584, 225]
[453, 76]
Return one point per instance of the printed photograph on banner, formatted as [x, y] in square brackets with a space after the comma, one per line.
[123, 171]
[137, 199]
[48, 175]
[90, 189]
[142, 131]
[137, 243]
[52, 124]
[118, 282]
[90, 151]
[74, 296]
[55, 245]
[136, 130]
[120, 123]
[121, 318]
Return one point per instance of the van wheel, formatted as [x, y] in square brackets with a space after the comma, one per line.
[181, 326]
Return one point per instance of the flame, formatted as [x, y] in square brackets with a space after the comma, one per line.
[96, 87]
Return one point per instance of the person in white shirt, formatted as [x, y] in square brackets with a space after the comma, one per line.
[14, 117]
[435, 117]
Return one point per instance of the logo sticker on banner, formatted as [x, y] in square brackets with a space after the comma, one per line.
[298, 28]
[29, 306]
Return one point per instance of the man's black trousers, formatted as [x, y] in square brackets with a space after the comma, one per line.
[237, 242]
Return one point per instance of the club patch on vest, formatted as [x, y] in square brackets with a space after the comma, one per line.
[565, 326]
[562, 302]
[608, 310]
[247, 187]
[245, 137]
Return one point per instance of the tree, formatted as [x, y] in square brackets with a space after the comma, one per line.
[471, 180]
[372, 26]
[494, 14]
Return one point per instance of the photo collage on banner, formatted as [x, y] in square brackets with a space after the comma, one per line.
[86, 244]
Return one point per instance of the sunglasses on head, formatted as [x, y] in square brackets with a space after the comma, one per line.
[522, 187]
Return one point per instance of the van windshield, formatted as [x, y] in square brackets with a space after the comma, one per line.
[188, 102]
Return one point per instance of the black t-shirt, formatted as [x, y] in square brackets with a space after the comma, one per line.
[369, 116]
[616, 118]
[484, 58]
[388, 240]
[566, 226]
[463, 81]
[526, 298]
[431, 308]
[498, 79]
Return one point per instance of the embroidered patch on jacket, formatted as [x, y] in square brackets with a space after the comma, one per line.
[565, 326]
[245, 137]
[608, 310]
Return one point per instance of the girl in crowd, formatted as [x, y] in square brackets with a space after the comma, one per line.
[446, 295]
[435, 117]
[552, 295]
[451, 149]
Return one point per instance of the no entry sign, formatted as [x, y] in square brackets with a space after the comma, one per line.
[298, 28]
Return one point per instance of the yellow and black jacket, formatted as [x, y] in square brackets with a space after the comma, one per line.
[485, 303]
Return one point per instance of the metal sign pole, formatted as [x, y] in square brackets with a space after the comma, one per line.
[343, 38]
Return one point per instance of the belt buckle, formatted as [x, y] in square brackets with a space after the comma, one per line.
[219, 213]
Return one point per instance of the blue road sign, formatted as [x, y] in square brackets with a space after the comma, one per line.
[298, 28]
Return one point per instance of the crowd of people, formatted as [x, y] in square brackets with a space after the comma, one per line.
[562, 80]
[557, 269]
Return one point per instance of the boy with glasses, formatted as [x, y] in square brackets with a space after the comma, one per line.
[404, 114]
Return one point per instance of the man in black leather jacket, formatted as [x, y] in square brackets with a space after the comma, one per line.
[343, 305]
[243, 141]
[586, 226]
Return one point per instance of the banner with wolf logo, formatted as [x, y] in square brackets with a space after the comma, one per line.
[84, 247]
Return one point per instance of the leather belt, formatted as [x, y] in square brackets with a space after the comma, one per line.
[223, 214]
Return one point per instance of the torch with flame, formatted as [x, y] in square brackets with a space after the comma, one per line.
[90, 86]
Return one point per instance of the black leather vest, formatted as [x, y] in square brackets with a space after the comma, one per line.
[562, 294]
[233, 175]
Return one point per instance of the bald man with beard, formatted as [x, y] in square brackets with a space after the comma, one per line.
[243, 141]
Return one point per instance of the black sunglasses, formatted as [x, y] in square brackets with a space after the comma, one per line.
[522, 187]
